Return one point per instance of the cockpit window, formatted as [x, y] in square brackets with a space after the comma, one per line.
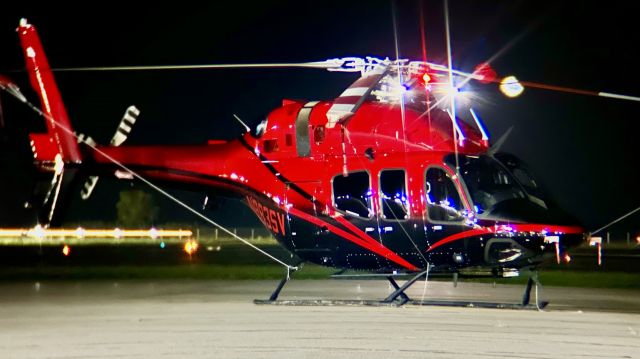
[393, 195]
[520, 172]
[352, 194]
[523, 177]
[443, 200]
[488, 182]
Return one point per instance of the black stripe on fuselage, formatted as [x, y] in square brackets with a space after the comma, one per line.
[247, 190]
[276, 173]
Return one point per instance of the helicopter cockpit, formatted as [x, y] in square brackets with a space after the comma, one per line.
[497, 193]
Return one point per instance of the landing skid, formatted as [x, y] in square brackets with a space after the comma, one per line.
[399, 298]
[381, 303]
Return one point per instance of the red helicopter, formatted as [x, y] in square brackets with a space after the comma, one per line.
[388, 177]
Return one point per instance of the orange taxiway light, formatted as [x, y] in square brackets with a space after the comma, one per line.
[190, 247]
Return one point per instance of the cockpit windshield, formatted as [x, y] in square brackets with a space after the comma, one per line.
[489, 182]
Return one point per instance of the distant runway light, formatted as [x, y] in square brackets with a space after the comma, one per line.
[38, 232]
[511, 87]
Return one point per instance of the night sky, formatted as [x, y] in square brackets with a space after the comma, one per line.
[584, 149]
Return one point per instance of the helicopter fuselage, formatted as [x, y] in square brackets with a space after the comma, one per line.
[389, 201]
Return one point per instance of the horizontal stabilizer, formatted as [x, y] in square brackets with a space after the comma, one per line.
[44, 148]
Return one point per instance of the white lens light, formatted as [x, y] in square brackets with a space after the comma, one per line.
[511, 87]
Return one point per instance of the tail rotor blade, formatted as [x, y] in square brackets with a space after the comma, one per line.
[125, 126]
[88, 187]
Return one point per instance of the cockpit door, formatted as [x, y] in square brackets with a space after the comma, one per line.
[446, 210]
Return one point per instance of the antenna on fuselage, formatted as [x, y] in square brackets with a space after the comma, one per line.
[242, 123]
[496, 146]
[454, 124]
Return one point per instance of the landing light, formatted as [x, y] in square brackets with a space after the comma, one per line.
[511, 87]
[66, 250]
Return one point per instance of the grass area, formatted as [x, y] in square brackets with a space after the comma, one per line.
[196, 271]
[73, 241]
[227, 259]
[309, 271]
[583, 279]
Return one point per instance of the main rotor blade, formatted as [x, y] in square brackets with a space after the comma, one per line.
[542, 86]
[579, 91]
[347, 64]
[314, 65]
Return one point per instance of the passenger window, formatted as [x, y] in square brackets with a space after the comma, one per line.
[352, 194]
[393, 195]
[318, 134]
[270, 146]
[443, 199]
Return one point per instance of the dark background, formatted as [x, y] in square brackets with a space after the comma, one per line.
[584, 149]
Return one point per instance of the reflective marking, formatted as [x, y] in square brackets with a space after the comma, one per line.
[125, 127]
[355, 91]
[341, 107]
[123, 175]
[118, 139]
[303, 144]
[338, 111]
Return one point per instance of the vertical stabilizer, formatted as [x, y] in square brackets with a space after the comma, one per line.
[59, 136]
